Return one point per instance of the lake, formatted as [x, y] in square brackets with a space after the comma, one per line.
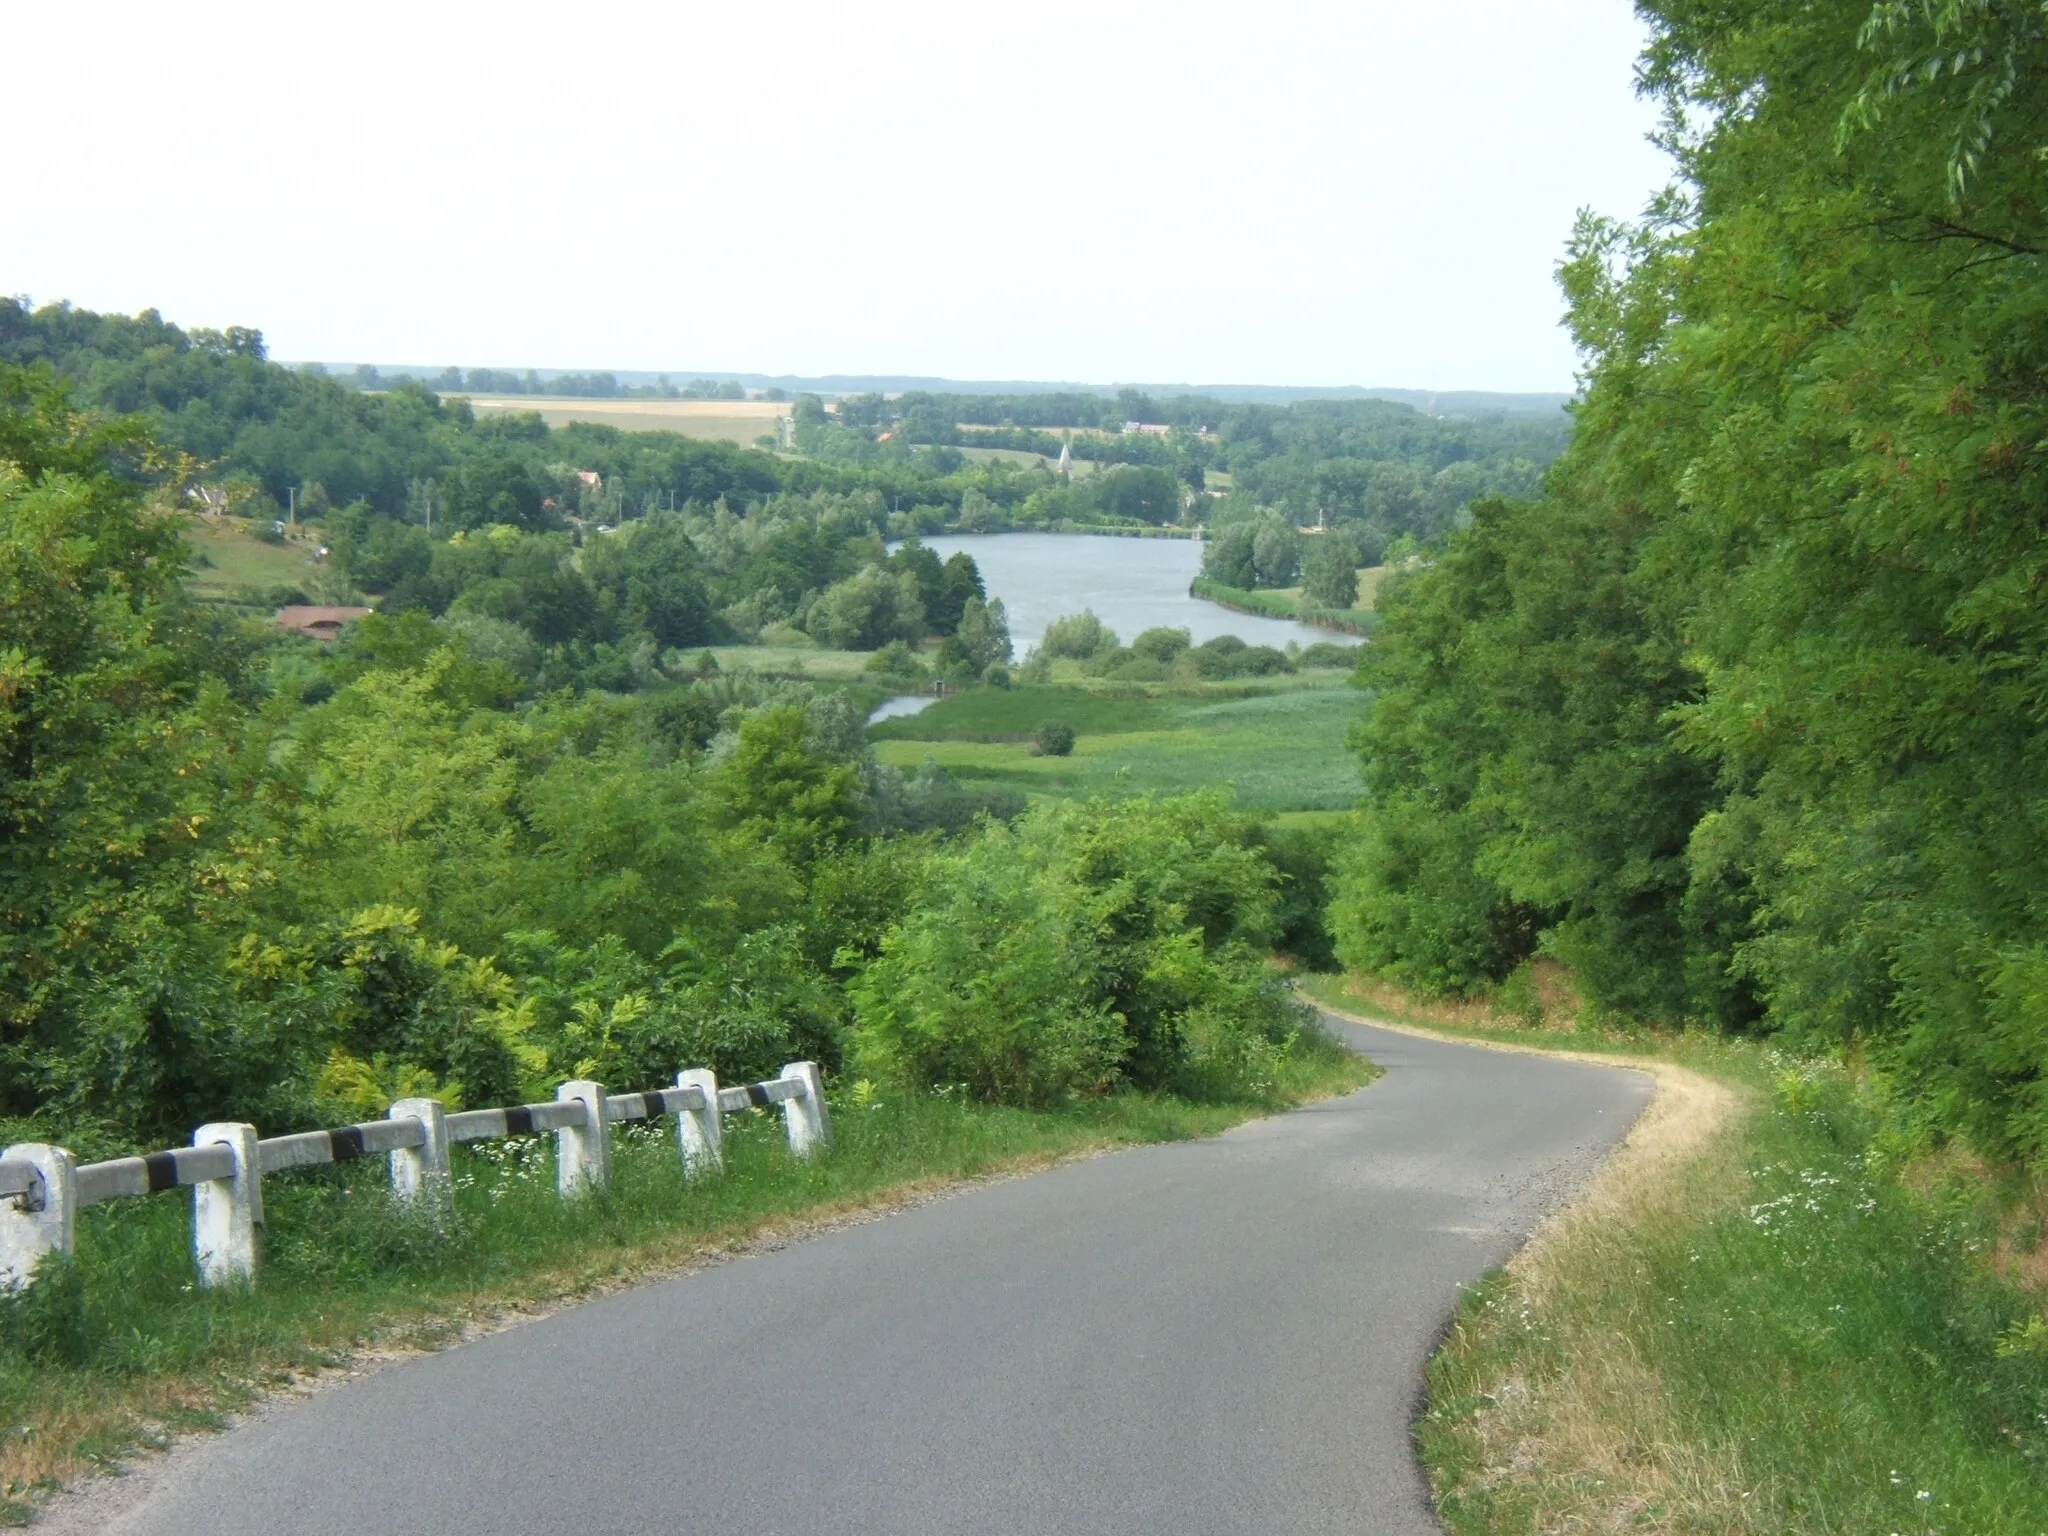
[1131, 584]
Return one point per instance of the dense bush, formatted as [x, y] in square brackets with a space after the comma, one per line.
[1055, 738]
[1077, 636]
[1080, 948]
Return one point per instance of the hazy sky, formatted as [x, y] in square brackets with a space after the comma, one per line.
[1280, 193]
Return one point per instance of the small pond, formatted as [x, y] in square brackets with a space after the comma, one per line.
[902, 704]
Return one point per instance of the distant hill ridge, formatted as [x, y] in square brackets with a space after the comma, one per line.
[1438, 402]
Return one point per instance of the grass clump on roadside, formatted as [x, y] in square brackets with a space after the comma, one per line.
[116, 1349]
[1784, 1325]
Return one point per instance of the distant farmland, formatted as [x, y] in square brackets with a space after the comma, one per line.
[736, 421]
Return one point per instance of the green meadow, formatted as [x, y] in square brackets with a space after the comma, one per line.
[1280, 745]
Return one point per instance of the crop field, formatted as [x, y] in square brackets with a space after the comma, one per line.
[1282, 749]
[735, 421]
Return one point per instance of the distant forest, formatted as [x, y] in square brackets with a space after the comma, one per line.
[276, 437]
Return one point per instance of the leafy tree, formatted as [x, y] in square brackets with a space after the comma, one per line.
[1227, 558]
[495, 488]
[1276, 554]
[1078, 635]
[1780, 606]
[867, 611]
[649, 578]
[377, 553]
[984, 633]
[962, 583]
[1330, 580]
[779, 791]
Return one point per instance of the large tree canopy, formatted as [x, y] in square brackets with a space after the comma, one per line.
[1751, 711]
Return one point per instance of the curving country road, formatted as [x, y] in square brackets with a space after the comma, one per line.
[1214, 1336]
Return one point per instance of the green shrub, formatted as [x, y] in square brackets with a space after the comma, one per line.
[1078, 636]
[896, 659]
[1082, 948]
[1162, 645]
[1055, 739]
[1327, 653]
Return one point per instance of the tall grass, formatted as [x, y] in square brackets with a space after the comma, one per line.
[118, 1340]
[1793, 1332]
[1284, 603]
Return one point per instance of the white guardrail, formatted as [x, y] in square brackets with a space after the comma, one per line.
[42, 1188]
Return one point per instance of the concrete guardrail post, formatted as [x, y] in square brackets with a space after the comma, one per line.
[701, 1131]
[41, 1219]
[419, 1175]
[226, 1213]
[810, 1127]
[583, 1153]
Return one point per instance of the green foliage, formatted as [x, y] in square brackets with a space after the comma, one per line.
[1055, 738]
[867, 611]
[1747, 714]
[984, 634]
[1164, 646]
[776, 790]
[247, 877]
[1079, 948]
[1077, 636]
[1228, 561]
[1330, 576]
[1283, 605]
[1523, 784]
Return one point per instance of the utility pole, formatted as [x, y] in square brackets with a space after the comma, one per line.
[291, 493]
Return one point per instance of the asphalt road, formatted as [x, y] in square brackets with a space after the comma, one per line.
[1215, 1336]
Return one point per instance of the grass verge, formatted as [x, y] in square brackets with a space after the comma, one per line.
[1764, 1318]
[116, 1351]
[1287, 603]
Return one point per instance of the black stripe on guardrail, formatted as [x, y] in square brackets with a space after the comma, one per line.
[345, 1143]
[518, 1121]
[757, 1095]
[160, 1169]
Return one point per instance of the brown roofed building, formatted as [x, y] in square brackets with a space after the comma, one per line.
[323, 624]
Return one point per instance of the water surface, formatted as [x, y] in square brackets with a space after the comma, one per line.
[1132, 585]
[902, 704]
